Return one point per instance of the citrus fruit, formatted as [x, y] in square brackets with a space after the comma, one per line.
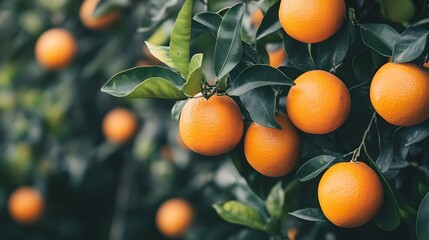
[211, 126]
[119, 125]
[55, 49]
[399, 93]
[272, 152]
[86, 16]
[277, 56]
[174, 217]
[256, 17]
[350, 194]
[311, 21]
[26, 205]
[318, 103]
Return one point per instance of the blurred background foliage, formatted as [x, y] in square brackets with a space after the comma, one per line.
[51, 136]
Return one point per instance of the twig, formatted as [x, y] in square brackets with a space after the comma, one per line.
[356, 153]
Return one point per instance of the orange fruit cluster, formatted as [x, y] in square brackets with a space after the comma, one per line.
[86, 16]
[350, 194]
[174, 217]
[399, 93]
[26, 205]
[311, 21]
[119, 125]
[56, 48]
[211, 126]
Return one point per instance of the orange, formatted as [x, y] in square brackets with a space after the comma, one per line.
[277, 56]
[55, 49]
[350, 194]
[87, 9]
[318, 103]
[311, 21]
[399, 93]
[26, 205]
[426, 65]
[119, 125]
[211, 126]
[174, 217]
[272, 152]
[256, 17]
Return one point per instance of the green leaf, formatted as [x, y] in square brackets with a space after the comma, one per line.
[180, 39]
[380, 37]
[177, 109]
[387, 141]
[261, 105]
[364, 66]
[145, 82]
[270, 23]
[239, 213]
[388, 217]
[300, 55]
[310, 214]
[331, 53]
[256, 76]
[410, 45]
[422, 224]
[313, 167]
[193, 84]
[291, 72]
[275, 200]
[228, 47]
[162, 53]
[210, 20]
[414, 134]
[423, 188]
[222, 83]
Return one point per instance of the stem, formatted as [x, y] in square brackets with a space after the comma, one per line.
[356, 152]
[123, 195]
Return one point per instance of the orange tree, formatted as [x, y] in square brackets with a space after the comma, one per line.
[73, 167]
[346, 101]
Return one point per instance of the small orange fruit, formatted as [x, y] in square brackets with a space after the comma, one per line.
[399, 93]
[311, 21]
[86, 16]
[119, 125]
[350, 194]
[211, 126]
[26, 205]
[277, 56]
[174, 217]
[55, 49]
[272, 152]
[256, 17]
[318, 103]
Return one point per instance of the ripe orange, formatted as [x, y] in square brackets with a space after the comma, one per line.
[87, 9]
[26, 205]
[119, 125]
[399, 93]
[311, 21]
[55, 48]
[350, 194]
[277, 56]
[318, 103]
[256, 17]
[272, 152]
[174, 217]
[211, 127]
